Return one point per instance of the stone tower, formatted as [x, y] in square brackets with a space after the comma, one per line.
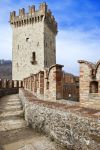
[34, 41]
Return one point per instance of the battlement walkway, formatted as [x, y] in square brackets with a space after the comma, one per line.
[14, 131]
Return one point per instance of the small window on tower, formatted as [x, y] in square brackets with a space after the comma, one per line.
[27, 39]
[34, 56]
[18, 46]
[33, 60]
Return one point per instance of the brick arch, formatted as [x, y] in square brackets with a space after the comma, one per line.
[97, 65]
[89, 64]
[56, 65]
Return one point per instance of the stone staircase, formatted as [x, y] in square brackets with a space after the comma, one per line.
[11, 113]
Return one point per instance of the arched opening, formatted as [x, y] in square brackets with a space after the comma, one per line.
[94, 87]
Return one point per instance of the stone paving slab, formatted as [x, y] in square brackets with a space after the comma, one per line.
[26, 139]
[14, 133]
[10, 113]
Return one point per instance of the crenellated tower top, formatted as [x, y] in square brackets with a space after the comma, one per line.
[34, 16]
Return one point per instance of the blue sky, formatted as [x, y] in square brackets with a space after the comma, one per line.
[78, 26]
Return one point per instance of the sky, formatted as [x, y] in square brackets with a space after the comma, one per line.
[78, 30]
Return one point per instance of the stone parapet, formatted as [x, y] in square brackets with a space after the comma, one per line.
[34, 16]
[48, 84]
[7, 84]
[74, 127]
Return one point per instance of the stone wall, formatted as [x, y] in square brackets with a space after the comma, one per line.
[52, 84]
[71, 87]
[68, 125]
[71, 91]
[47, 84]
[8, 87]
[89, 81]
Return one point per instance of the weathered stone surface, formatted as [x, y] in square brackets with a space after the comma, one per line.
[11, 113]
[33, 33]
[73, 127]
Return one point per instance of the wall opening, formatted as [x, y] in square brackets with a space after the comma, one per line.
[33, 59]
[47, 85]
[18, 47]
[94, 87]
[34, 56]
[27, 39]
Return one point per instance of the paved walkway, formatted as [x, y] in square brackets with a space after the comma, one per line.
[14, 132]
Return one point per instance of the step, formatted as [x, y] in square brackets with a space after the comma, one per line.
[4, 105]
[9, 100]
[6, 125]
[13, 102]
[10, 107]
[10, 113]
[12, 110]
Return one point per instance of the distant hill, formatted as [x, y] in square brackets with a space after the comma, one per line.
[5, 69]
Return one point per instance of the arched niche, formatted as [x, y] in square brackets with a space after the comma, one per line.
[93, 87]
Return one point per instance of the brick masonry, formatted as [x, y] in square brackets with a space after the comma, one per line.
[89, 81]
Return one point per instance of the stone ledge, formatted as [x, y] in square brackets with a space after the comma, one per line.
[69, 106]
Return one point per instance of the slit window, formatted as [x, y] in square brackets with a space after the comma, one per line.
[47, 85]
[34, 56]
[18, 46]
[27, 39]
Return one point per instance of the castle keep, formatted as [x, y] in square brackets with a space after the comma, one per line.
[34, 41]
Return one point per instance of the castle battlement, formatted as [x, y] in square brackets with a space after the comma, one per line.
[34, 16]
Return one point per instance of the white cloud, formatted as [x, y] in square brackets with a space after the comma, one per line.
[5, 42]
[73, 45]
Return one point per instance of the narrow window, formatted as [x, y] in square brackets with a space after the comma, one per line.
[34, 56]
[18, 46]
[27, 39]
[47, 85]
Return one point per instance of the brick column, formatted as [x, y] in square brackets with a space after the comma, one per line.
[40, 85]
[35, 84]
[41, 82]
[85, 78]
[16, 83]
[32, 83]
[20, 84]
[4, 83]
[55, 82]
[10, 83]
[46, 85]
